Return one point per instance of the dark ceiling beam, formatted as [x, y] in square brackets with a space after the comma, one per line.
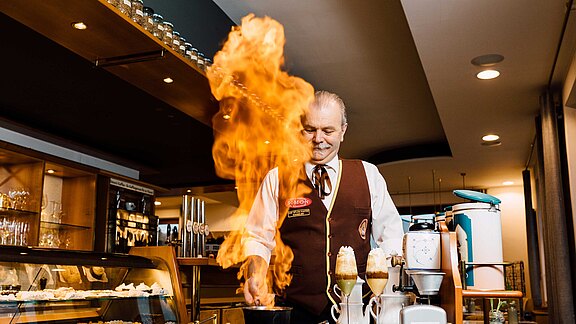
[418, 151]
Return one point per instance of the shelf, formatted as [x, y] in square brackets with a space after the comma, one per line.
[111, 34]
[68, 257]
[17, 212]
[135, 225]
[70, 315]
[77, 301]
[471, 293]
[52, 225]
[197, 262]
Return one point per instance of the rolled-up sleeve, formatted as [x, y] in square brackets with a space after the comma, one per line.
[386, 222]
[260, 231]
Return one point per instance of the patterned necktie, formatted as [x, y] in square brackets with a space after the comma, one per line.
[322, 181]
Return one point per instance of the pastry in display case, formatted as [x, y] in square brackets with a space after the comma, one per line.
[59, 286]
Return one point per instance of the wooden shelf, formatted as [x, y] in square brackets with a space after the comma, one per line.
[17, 212]
[471, 293]
[197, 262]
[52, 225]
[112, 34]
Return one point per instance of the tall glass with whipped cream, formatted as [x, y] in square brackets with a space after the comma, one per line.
[376, 276]
[346, 273]
[376, 271]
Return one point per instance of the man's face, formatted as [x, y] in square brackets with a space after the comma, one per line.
[324, 130]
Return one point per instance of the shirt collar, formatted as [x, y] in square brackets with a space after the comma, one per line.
[332, 165]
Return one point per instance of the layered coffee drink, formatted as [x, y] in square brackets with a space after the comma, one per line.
[376, 271]
[346, 271]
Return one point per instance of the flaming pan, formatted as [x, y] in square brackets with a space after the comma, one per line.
[266, 315]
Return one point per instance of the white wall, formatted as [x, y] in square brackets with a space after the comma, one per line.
[168, 213]
[513, 217]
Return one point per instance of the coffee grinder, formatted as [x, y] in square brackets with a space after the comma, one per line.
[420, 270]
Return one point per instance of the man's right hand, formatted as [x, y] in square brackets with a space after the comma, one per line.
[255, 286]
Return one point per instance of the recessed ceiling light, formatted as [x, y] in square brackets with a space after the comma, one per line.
[188, 190]
[266, 142]
[79, 25]
[168, 80]
[487, 60]
[50, 171]
[487, 74]
[490, 138]
[508, 183]
[157, 203]
[226, 116]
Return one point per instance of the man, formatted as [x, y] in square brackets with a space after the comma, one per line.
[348, 204]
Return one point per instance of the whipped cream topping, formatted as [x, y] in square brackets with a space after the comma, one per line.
[376, 261]
[346, 261]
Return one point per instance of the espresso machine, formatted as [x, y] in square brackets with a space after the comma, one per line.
[420, 271]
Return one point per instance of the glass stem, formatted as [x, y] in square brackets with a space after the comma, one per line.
[377, 309]
[348, 308]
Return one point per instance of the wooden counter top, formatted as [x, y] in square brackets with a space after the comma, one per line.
[183, 262]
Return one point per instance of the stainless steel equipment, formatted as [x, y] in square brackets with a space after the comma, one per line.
[193, 228]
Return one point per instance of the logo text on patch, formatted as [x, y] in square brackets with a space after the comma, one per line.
[298, 202]
[299, 213]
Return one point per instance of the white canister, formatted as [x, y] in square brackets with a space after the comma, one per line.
[479, 233]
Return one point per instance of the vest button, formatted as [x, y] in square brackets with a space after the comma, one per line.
[329, 219]
[330, 236]
[330, 272]
[329, 254]
[329, 290]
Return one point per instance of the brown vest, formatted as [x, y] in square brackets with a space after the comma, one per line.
[315, 236]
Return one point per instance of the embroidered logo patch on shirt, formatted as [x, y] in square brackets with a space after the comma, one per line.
[298, 202]
[299, 212]
[362, 228]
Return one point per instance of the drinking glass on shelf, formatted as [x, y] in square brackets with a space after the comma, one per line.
[13, 200]
[4, 231]
[22, 233]
[44, 216]
[50, 238]
[56, 216]
[24, 195]
[346, 273]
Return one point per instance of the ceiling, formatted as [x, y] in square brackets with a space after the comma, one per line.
[402, 68]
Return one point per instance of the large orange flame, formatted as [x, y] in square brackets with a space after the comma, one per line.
[258, 125]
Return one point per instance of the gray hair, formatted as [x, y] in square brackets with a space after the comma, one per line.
[324, 98]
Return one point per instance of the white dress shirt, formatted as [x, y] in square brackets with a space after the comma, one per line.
[258, 238]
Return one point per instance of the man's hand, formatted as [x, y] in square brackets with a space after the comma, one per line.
[255, 286]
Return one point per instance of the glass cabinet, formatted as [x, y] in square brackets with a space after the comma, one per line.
[45, 203]
[20, 189]
[60, 286]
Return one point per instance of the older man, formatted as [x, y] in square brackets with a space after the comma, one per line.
[348, 203]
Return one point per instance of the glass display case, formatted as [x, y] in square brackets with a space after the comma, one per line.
[61, 286]
[45, 203]
[20, 189]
